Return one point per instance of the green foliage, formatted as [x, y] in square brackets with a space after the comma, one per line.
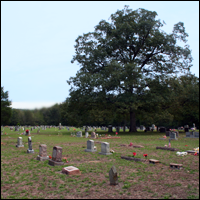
[123, 63]
[5, 109]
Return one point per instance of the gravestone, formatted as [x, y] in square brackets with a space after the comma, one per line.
[42, 153]
[196, 134]
[71, 170]
[167, 133]
[113, 176]
[162, 129]
[153, 126]
[186, 129]
[187, 134]
[86, 135]
[93, 135]
[56, 156]
[117, 129]
[90, 146]
[30, 150]
[28, 133]
[147, 129]
[79, 134]
[142, 128]
[105, 149]
[19, 142]
[173, 136]
[110, 129]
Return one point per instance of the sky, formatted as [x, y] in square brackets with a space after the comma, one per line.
[38, 38]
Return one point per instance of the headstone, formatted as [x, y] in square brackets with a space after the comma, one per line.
[71, 170]
[93, 135]
[79, 134]
[90, 146]
[86, 135]
[117, 129]
[56, 156]
[196, 134]
[142, 128]
[173, 136]
[19, 142]
[186, 129]
[187, 134]
[167, 133]
[162, 129]
[147, 129]
[28, 133]
[42, 153]
[105, 149]
[153, 126]
[113, 176]
[110, 129]
[30, 150]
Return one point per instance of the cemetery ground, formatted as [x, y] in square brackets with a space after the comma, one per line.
[22, 176]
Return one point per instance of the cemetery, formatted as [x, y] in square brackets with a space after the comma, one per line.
[58, 162]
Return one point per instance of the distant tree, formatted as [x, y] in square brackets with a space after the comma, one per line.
[5, 109]
[121, 59]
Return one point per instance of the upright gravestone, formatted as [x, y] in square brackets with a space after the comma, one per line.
[86, 135]
[19, 142]
[142, 128]
[113, 176]
[30, 150]
[110, 129]
[105, 149]
[56, 156]
[187, 134]
[79, 134]
[162, 129]
[172, 136]
[90, 146]
[167, 133]
[196, 134]
[42, 153]
[93, 135]
[117, 129]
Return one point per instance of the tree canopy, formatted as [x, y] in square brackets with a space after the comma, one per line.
[124, 59]
[5, 109]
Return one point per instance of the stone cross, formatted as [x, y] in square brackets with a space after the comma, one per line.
[90, 146]
[113, 176]
[105, 149]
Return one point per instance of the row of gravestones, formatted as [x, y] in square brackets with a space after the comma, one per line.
[175, 134]
[57, 151]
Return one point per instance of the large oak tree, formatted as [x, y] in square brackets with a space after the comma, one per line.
[122, 58]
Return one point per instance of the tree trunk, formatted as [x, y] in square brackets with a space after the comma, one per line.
[132, 122]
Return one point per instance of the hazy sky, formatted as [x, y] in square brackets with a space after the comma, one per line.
[38, 38]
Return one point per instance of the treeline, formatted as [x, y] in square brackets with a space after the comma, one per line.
[176, 103]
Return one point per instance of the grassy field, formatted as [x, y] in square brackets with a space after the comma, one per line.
[24, 177]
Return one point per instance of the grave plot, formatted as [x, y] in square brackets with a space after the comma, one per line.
[167, 148]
